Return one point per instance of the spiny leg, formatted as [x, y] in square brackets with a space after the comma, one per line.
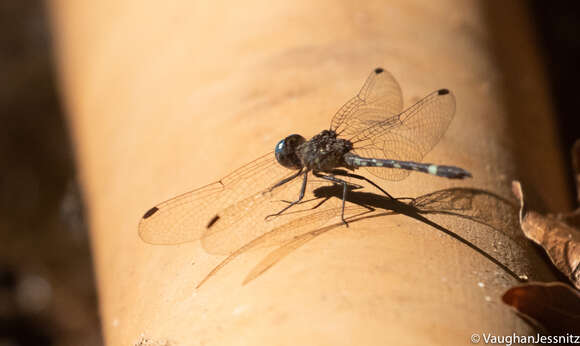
[344, 190]
[360, 177]
[351, 185]
[300, 197]
[285, 180]
[309, 200]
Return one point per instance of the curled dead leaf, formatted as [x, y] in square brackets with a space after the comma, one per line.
[559, 238]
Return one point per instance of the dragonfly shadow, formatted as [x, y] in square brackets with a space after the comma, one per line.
[477, 206]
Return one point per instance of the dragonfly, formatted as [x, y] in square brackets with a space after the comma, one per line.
[371, 131]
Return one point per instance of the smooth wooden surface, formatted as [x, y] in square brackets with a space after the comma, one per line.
[167, 97]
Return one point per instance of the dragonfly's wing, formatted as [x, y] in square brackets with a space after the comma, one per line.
[379, 98]
[408, 136]
[285, 232]
[301, 237]
[232, 232]
[225, 203]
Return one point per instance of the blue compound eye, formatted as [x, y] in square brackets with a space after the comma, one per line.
[280, 148]
[285, 151]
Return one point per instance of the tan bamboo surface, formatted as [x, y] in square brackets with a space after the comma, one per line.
[164, 97]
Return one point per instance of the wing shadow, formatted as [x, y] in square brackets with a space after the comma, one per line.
[466, 203]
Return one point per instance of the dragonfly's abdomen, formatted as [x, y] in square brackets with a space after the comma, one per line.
[450, 172]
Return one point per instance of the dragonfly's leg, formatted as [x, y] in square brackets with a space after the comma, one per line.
[302, 191]
[285, 180]
[310, 200]
[344, 190]
[351, 186]
[360, 177]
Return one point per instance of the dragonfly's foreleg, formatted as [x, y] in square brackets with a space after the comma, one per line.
[300, 197]
[285, 180]
[309, 200]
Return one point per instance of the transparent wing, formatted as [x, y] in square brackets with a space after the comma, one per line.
[289, 231]
[379, 98]
[229, 213]
[408, 136]
[235, 231]
[186, 217]
[373, 121]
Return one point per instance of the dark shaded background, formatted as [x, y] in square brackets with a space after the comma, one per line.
[558, 28]
[47, 293]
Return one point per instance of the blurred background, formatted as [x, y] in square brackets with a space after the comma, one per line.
[47, 287]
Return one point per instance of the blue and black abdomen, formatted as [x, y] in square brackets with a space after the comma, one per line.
[450, 172]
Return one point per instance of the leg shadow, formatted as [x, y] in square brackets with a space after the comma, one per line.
[469, 204]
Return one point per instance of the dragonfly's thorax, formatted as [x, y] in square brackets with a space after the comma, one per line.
[324, 151]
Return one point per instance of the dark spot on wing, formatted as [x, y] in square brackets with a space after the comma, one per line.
[379, 70]
[212, 221]
[150, 212]
[442, 91]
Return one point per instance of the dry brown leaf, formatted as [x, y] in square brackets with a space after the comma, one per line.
[554, 306]
[560, 240]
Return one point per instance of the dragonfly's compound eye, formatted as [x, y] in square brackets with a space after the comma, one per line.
[286, 151]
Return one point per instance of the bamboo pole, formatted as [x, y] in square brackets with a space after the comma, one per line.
[167, 97]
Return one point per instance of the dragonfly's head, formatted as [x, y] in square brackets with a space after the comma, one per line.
[286, 151]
